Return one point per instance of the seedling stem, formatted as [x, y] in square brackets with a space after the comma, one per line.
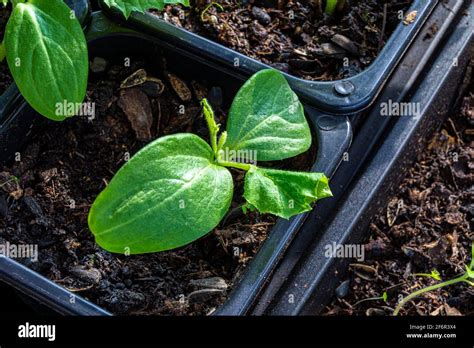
[219, 6]
[465, 278]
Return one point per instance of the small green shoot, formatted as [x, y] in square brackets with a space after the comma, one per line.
[467, 277]
[434, 275]
[212, 4]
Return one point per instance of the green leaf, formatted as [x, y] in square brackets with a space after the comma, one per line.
[267, 117]
[168, 195]
[47, 55]
[330, 6]
[435, 275]
[284, 193]
[129, 6]
[472, 257]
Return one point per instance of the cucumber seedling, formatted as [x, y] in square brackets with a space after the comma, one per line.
[467, 278]
[178, 188]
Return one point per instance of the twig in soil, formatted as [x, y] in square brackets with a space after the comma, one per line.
[467, 277]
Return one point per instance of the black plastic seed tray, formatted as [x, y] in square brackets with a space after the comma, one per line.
[344, 96]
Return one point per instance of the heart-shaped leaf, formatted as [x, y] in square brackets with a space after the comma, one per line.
[266, 117]
[47, 56]
[168, 195]
[129, 6]
[284, 193]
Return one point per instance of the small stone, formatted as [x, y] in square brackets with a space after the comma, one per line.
[104, 284]
[454, 301]
[98, 65]
[408, 251]
[153, 88]
[215, 97]
[35, 209]
[469, 210]
[371, 312]
[180, 87]
[343, 289]
[204, 295]
[345, 43]
[331, 50]
[136, 106]
[88, 275]
[261, 15]
[210, 283]
[176, 10]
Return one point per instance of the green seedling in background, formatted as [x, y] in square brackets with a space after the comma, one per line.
[434, 275]
[384, 298]
[467, 277]
[178, 188]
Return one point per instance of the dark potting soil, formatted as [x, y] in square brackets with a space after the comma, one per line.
[66, 165]
[296, 36]
[5, 76]
[428, 225]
